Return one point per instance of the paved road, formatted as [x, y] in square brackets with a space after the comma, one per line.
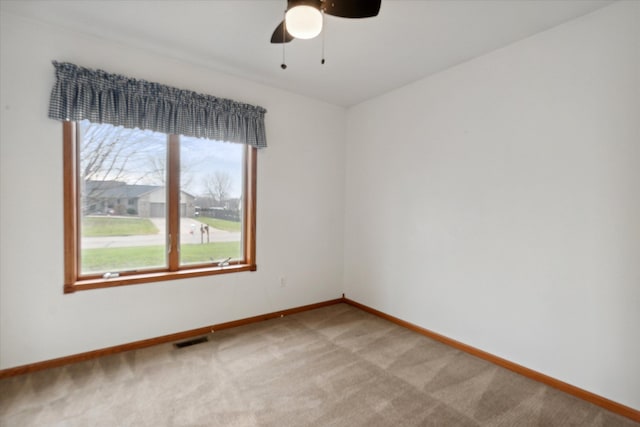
[189, 233]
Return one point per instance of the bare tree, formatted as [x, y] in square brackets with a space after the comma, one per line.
[113, 157]
[110, 156]
[156, 167]
[103, 155]
[218, 186]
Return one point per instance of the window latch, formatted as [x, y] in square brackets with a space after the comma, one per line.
[109, 275]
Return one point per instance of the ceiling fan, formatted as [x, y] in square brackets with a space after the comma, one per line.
[303, 18]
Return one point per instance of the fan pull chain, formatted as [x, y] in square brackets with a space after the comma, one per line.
[324, 31]
[284, 38]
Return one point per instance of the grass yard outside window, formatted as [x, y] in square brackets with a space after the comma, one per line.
[132, 258]
[127, 255]
[102, 226]
[222, 224]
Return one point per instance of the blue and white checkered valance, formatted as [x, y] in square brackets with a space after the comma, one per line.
[100, 97]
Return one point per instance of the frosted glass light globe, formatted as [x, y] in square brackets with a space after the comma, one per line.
[303, 22]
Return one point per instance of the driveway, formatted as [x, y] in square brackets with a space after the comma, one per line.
[189, 233]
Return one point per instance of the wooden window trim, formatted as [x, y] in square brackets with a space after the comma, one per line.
[73, 281]
[173, 202]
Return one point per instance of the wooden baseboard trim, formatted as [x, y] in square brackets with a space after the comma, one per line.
[81, 357]
[605, 403]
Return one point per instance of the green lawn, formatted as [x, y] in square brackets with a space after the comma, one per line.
[221, 224]
[195, 253]
[136, 258]
[100, 226]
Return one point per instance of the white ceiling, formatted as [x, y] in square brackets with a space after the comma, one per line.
[365, 57]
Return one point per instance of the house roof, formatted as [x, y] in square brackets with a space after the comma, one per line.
[120, 190]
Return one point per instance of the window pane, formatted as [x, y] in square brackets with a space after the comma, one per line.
[211, 183]
[122, 199]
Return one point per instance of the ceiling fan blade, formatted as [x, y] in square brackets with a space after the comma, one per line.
[352, 8]
[280, 35]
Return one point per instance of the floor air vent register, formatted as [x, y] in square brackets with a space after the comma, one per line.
[188, 343]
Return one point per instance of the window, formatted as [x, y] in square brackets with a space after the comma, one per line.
[144, 206]
[164, 203]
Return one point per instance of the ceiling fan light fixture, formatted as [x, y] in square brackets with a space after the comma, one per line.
[303, 22]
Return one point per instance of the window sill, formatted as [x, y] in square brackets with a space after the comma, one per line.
[86, 284]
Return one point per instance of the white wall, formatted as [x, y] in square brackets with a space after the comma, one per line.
[299, 222]
[498, 203]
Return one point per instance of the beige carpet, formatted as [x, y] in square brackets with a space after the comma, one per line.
[335, 366]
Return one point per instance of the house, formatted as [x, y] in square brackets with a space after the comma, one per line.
[495, 201]
[119, 198]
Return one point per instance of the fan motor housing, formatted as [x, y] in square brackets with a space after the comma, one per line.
[313, 3]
